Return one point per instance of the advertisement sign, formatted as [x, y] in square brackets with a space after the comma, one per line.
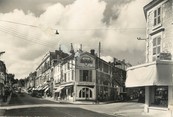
[86, 60]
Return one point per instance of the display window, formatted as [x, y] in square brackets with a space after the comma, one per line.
[160, 96]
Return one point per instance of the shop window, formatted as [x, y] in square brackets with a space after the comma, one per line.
[160, 96]
[85, 93]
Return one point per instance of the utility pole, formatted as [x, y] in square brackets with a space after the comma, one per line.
[99, 49]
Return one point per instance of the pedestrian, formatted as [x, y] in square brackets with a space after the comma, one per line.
[98, 99]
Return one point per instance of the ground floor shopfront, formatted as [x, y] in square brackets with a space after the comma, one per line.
[157, 78]
[85, 91]
[75, 92]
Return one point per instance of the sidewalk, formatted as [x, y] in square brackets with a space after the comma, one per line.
[76, 102]
[2, 111]
[120, 109]
[7, 102]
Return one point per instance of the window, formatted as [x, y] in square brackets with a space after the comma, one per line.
[105, 68]
[157, 16]
[86, 75]
[160, 96]
[72, 74]
[65, 77]
[68, 65]
[156, 47]
[85, 93]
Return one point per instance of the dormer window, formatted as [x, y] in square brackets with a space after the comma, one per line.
[157, 16]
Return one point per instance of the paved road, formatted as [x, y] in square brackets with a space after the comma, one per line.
[25, 105]
[25, 99]
[54, 112]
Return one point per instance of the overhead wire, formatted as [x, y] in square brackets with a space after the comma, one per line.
[19, 37]
[75, 29]
[14, 32]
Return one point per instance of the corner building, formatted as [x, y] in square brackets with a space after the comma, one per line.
[85, 77]
[156, 74]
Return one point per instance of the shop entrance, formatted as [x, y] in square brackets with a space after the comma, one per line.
[85, 93]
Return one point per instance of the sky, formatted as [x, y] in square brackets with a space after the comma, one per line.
[27, 30]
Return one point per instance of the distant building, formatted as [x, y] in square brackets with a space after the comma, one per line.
[156, 74]
[30, 81]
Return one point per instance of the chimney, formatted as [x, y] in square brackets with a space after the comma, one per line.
[81, 47]
[92, 51]
[114, 60]
[72, 49]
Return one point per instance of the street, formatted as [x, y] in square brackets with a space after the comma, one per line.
[25, 105]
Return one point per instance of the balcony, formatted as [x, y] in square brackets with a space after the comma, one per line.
[158, 73]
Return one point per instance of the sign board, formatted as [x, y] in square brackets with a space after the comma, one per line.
[165, 56]
[86, 60]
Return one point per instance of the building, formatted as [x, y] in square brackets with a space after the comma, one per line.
[83, 76]
[30, 81]
[156, 74]
[44, 71]
[3, 74]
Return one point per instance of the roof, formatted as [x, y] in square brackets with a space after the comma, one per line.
[53, 55]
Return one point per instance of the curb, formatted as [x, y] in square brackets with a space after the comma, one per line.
[79, 102]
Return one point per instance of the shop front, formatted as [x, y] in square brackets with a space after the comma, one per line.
[157, 78]
[64, 92]
[85, 91]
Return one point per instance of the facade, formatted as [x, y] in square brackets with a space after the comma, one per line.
[156, 74]
[44, 71]
[30, 80]
[83, 76]
[2, 79]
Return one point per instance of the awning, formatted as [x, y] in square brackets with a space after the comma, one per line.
[67, 84]
[46, 89]
[155, 73]
[59, 89]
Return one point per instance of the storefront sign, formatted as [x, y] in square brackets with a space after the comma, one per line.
[165, 56]
[86, 60]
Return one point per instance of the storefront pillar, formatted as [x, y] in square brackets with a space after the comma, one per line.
[170, 97]
[74, 92]
[147, 99]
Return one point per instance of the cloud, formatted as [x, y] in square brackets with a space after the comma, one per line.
[83, 22]
[35, 6]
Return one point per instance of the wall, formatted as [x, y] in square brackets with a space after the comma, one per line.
[167, 34]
